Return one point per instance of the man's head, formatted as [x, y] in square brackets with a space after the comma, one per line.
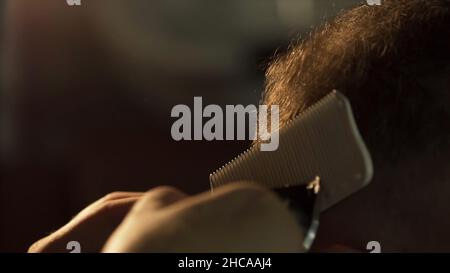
[393, 63]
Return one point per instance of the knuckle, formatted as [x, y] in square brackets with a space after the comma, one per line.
[163, 193]
[112, 195]
[106, 206]
[160, 196]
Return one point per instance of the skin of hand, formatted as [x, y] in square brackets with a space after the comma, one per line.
[92, 226]
[235, 218]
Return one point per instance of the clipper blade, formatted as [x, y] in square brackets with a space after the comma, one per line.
[323, 141]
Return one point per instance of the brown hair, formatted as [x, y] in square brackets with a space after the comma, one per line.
[377, 56]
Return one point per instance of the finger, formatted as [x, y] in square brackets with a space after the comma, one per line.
[91, 227]
[94, 228]
[160, 197]
[116, 209]
[112, 210]
[120, 195]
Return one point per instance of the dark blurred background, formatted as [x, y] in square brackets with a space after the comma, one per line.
[86, 94]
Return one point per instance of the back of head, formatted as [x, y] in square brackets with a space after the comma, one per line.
[391, 61]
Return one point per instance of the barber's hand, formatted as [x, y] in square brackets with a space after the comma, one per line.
[236, 218]
[92, 226]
